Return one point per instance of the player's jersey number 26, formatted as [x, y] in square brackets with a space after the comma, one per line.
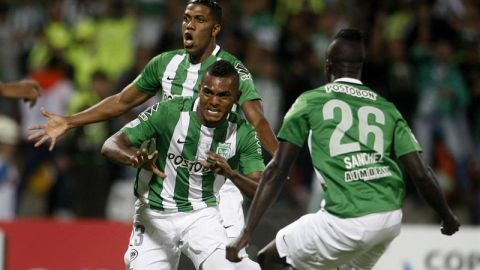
[346, 122]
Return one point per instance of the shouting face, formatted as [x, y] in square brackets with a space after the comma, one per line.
[199, 30]
[217, 96]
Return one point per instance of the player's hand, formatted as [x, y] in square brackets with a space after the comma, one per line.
[55, 127]
[234, 247]
[450, 225]
[217, 164]
[147, 161]
[31, 89]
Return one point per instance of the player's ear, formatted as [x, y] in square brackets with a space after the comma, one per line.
[216, 29]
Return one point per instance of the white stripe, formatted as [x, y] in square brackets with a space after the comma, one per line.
[192, 77]
[170, 72]
[180, 133]
[195, 179]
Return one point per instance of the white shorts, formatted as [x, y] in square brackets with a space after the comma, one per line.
[324, 241]
[158, 238]
[231, 209]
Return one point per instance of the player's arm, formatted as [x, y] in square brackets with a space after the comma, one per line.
[27, 90]
[218, 164]
[426, 183]
[253, 111]
[109, 107]
[120, 149]
[270, 186]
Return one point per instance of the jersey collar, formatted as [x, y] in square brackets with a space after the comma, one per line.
[216, 50]
[348, 80]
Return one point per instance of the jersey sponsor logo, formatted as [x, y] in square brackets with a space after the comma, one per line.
[180, 141]
[149, 111]
[170, 78]
[191, 166]
[243, 72]
[366, 174]
[350, 90]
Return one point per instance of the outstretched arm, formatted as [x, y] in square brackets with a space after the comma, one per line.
[253, 111]
[120, 149]
[110, 107]
[426, 184]
[270, 186]
[27, 90]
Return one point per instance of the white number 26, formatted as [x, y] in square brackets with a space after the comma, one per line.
[364, 129]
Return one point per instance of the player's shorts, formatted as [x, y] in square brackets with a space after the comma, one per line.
[324, 241]
[159, 238]
[231, 209]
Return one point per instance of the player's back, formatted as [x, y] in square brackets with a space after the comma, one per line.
[351, 140]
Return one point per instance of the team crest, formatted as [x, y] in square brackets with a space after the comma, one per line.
[223, 149]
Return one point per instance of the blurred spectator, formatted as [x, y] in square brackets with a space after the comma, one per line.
[57, 93]
[91, 174]
[443, 99]
[9, 176]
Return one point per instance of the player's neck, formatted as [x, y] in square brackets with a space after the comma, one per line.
[195, 59]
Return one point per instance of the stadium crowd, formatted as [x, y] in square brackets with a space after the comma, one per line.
[424, 57]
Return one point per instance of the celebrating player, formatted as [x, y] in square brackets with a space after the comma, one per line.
[177, 73]
[176, 210]
[355, 138]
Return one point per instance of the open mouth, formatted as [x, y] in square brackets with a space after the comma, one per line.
[214, 112]
[188, 40]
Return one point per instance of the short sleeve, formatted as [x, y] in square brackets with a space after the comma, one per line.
[143, 128]
[149, 81]
[251, 159]
[404, 140]
[247, 87]
[295, 125]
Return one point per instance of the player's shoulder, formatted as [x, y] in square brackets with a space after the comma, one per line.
[228, 56]
[239, 121]
[168, 55]
[179, 103]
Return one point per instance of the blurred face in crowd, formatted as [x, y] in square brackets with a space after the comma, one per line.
[217, 96]
[199, 30]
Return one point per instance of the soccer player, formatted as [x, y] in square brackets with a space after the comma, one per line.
[26, 90]
[357, 141]
[177, 73]
[176, 210]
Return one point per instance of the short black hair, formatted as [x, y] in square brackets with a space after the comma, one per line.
[215, 8]
[350, 35]
[223, 69]
[349, 46]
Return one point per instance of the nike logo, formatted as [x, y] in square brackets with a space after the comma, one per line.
[168, 78]
[180, 142]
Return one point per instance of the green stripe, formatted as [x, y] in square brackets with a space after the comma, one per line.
[189, 152]
[208, 195]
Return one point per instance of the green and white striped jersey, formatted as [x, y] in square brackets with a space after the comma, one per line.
[173, 75]
[354, 137]
[182, 141]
